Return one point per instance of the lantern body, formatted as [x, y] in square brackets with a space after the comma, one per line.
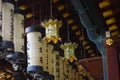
[0, 17]
[7, 21]
[18, 32]
[69, 49]
[34, 50]
[61, 68]
[56, 65]
[52, 30]
[45, 58]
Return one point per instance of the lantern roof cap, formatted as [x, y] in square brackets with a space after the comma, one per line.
[33, 29]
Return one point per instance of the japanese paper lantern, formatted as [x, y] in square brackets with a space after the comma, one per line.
[34, 50]
[7, 25]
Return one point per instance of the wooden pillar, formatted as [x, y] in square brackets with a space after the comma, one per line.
[112, 59]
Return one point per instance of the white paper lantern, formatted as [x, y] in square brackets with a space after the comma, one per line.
[50, 61]
[7, 21]
[7, 25]
[19, 32]
[0, 23]
[0, 17]
[56, 65]
[61, 68]
[34, 50]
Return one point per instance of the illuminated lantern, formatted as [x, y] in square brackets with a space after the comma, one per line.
[0, 17]
[34, 50]
[69, 49]
[52, 30]
[7, 20]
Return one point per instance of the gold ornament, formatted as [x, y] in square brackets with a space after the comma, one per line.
[52, 30]
[109, 42]
[69, 51]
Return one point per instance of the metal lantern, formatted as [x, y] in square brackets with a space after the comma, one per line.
[34, 51]
[52, 30]
[69, 49]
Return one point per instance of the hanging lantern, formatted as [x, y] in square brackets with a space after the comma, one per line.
[0, 17]
[34, 51]
[52, 30]
[7, 20]
[18, 33]
[61, 67]
[50, 61]
[69, 51]
[56, 65]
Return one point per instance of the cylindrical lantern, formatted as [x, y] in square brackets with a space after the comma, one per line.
[50, 50]
[73, 72]
[56, 65]
[19, 31]
[34, 50]
[1, 45]
[0, 24]
[0, 17]
[50, 63]
[52, 30]
[7, 20]
[66, 70]
[61, 68]
[7, 25]
[45, 59]
[18, 56]
[69, 49]
[70, 72]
